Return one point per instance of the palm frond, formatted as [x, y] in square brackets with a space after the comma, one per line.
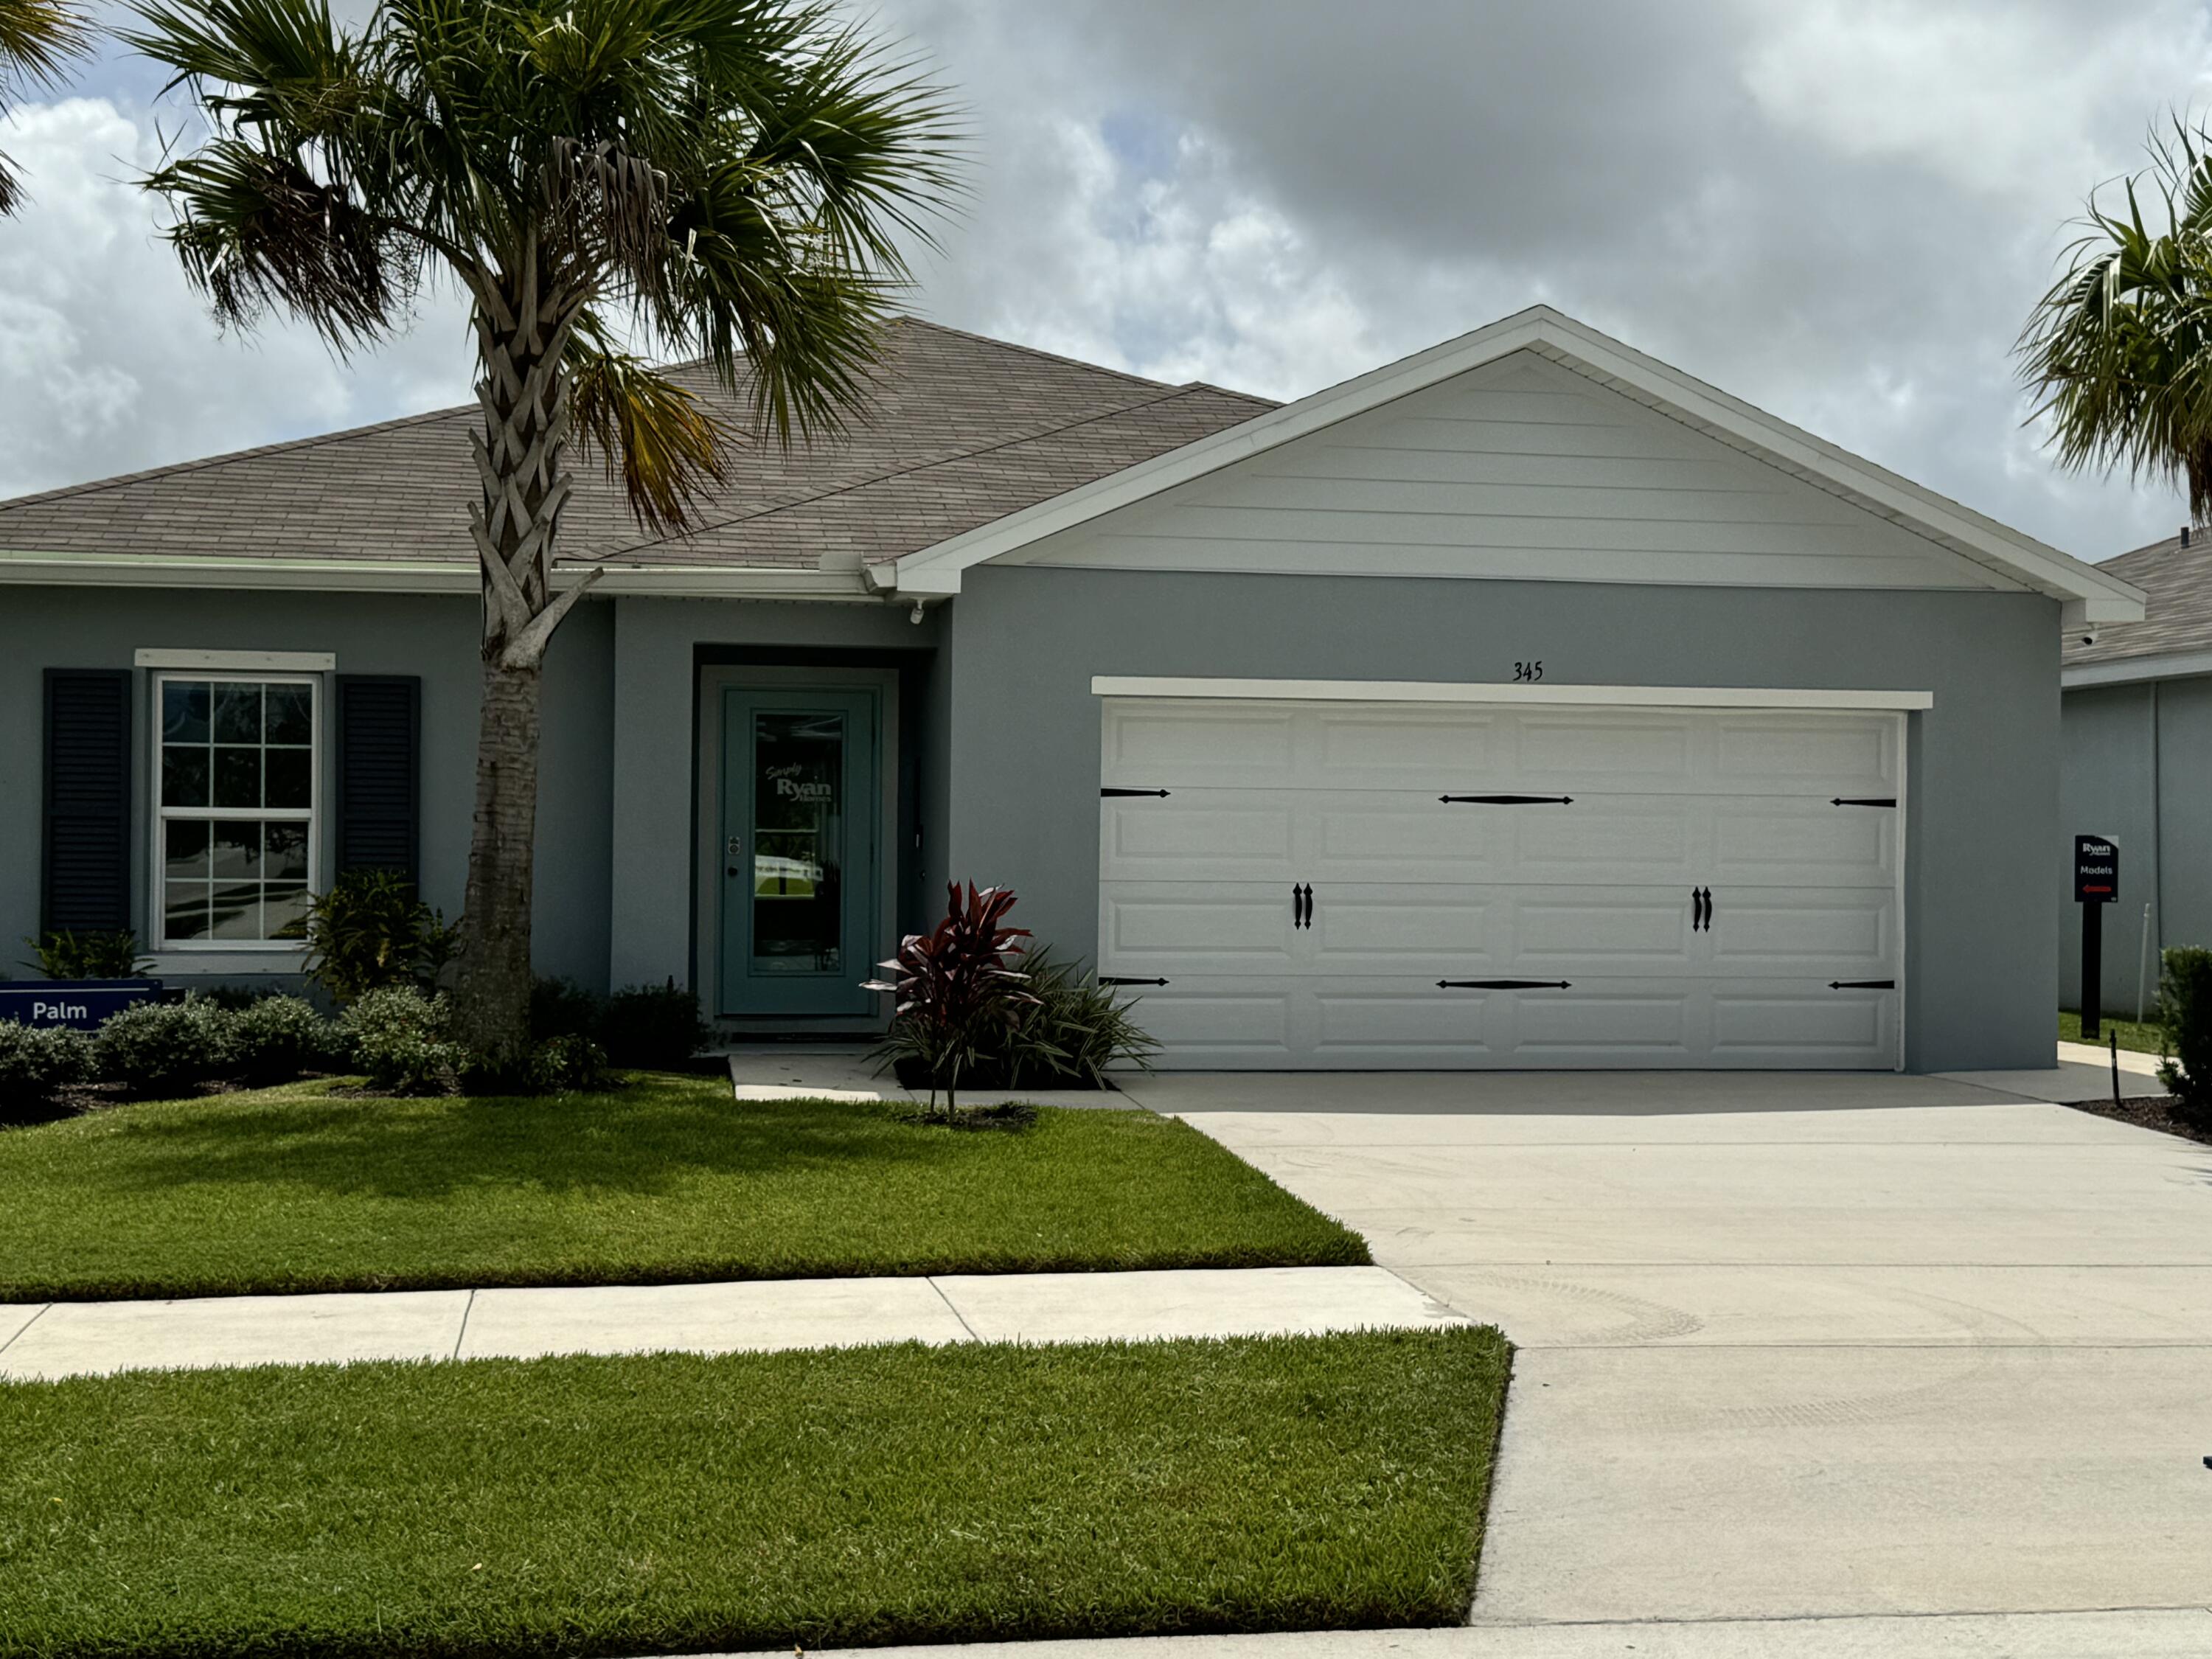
[2117, 353]
[39, 39]
[662, 444]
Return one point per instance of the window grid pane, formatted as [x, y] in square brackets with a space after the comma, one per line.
[237, 794]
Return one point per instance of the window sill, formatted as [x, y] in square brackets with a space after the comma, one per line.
[228, 962]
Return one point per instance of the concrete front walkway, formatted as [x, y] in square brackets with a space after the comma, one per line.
[66, 1339]
[1791, 1347]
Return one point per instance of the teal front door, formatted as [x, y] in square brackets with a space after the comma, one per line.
[802, 877]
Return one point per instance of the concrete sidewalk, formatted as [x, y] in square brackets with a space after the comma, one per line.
[2146, 1633]
[68, 1339]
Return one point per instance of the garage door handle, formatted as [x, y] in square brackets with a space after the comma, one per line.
[1301, 905]
[1503, 984]
[1701, 909]
[1507, 800]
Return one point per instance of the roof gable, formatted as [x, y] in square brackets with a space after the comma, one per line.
[1521, 468]
[1935, 535]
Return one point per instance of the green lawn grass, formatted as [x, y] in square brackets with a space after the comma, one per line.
[673, 1503]
[667, 1181]
[2142, 1038]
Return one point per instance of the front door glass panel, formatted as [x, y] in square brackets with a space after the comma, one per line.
[801, 878]
[797, 842]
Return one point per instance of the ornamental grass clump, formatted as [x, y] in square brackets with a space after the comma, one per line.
[958, 994]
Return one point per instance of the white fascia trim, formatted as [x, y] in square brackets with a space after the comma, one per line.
[937, 569]
[272, 662]
[1633, 696]
[418, 576]
[2133, 670]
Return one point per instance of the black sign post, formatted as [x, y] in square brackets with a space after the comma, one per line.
[2096, 885]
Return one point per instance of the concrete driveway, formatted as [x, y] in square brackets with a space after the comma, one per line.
[1791, 1346]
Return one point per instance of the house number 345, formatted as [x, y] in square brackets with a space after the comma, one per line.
[1527, 671]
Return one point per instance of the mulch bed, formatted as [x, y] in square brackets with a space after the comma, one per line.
[2161, 1112]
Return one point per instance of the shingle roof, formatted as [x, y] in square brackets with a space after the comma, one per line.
[960, 430]
[2177, 615]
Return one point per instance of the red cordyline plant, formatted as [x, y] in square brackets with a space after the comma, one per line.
[954, 987]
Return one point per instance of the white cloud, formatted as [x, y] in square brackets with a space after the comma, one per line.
[111, 362]
[1840, 212]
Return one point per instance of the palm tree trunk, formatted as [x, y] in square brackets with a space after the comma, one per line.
[492, 1011]
[523, 389]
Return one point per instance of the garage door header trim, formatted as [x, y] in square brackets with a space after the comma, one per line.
[1643, 696]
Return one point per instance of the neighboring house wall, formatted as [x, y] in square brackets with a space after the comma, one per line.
[435, 638]
[2107, 789]
[1983, 784]
[2138, 766]
[658, 645]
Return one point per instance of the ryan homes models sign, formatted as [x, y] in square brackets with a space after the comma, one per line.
[2096, 885]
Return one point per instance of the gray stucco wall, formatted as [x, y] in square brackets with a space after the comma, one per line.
[2138, 765]
[657, 648]
[435, 638]
[1982, 936]
[2106, 789]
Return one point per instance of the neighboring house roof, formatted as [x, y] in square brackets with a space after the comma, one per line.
[2174, 636]
[2090, 593]
[959, 430]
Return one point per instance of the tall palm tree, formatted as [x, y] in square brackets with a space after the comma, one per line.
[2119, 351]
[38, 39]
[728, 177]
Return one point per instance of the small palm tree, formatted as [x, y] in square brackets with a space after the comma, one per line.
[727, 178]
[2119, 351]
[38, 39]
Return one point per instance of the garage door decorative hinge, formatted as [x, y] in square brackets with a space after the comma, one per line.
[1503, 984]
[1862, 800]
[1508, 800]
[1862, 985]
[1162, 793]
[1115, 979]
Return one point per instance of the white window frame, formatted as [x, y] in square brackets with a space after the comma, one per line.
[159, 946]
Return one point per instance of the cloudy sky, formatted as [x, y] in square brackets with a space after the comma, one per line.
[1839, 209]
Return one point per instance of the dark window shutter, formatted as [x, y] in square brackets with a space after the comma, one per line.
[380, 731]
[85, 874]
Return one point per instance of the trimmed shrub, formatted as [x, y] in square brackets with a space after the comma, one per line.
[562, 1008]
[397, 1037]
[567, 1063]
[275, 1038]
[163, 1048]
[652, 1027]
[36, 1064]
[2185, 1007]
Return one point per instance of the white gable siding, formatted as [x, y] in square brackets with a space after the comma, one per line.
[1520, 469]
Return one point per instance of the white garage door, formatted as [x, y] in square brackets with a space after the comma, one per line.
[1404, 884]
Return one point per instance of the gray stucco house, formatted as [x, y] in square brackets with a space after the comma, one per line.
[2137, 731]
[1523, 702]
